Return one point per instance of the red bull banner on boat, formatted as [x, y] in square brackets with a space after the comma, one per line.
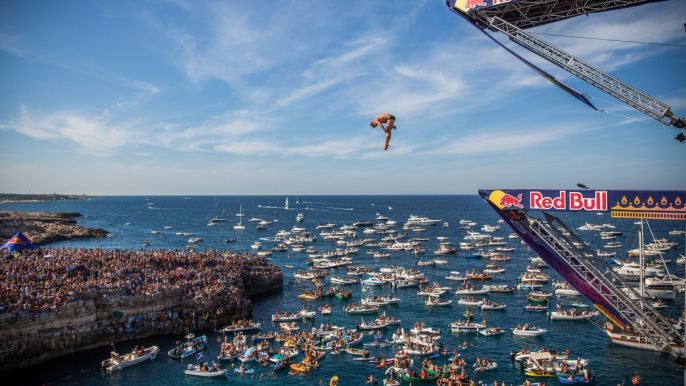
[468, 6]
[648, 204]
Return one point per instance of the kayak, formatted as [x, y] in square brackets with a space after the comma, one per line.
[532, 374]
[333, 381]
[387, 363]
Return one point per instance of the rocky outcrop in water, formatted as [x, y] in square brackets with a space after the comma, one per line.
[45, 227]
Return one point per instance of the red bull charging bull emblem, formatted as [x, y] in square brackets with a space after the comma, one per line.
[503, 200]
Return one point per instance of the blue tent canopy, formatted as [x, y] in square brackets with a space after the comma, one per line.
[19, 241]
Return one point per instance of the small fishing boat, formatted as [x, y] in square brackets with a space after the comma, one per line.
[429, 376]
[537, 298]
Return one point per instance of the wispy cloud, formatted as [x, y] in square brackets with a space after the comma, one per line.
[330, 71]
[94, 134]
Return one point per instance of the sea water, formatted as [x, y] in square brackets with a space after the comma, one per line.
[131, 220]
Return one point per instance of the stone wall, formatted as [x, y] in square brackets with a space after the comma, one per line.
[27, 340]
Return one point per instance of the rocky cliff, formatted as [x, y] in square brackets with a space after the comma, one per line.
[99, 318]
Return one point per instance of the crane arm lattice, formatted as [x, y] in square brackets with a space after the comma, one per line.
[613, 86]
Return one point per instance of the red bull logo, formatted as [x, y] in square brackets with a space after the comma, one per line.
[503, 200]
[469, 4]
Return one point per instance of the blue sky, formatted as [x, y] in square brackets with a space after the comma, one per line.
[255, 97]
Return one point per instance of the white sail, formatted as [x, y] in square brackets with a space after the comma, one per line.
[286, 202]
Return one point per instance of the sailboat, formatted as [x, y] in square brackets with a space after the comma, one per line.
[239, 226]
[297, 200]
[286, 203]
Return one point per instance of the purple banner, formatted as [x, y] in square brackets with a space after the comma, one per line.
[650, 204]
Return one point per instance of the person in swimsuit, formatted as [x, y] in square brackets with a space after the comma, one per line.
[389, 120]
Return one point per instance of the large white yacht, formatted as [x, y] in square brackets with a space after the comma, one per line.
[420, 221]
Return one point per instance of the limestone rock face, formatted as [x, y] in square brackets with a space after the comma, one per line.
[99, 318]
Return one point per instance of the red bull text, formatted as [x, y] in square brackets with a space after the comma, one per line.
[575, 201]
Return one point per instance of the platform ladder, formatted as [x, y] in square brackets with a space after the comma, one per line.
[613, 86]
[589, 266]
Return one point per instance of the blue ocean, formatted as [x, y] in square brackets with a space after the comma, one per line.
[131, 221]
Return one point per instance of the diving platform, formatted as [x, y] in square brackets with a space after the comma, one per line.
[588, 273]
[513, 17]
[531, 13]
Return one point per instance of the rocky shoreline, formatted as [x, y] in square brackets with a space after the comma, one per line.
[46, 227]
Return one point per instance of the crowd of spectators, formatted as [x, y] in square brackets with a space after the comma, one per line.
[49, 278]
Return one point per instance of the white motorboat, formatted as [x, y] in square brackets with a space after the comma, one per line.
[529, 332]
[567, 291]
[438, 302]
[342, 280]
[473, 291]
[491, 331]
[192, 346]
[198, 372]
[455, 275]
[250, 327]
[468, 302]
[492, 306]
[566, 315]
[118, 362]
[466, 327]
[414, 221]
